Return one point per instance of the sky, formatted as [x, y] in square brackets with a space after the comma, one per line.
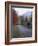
[21, 11]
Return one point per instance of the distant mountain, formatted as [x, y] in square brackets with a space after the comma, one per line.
[29, 13]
